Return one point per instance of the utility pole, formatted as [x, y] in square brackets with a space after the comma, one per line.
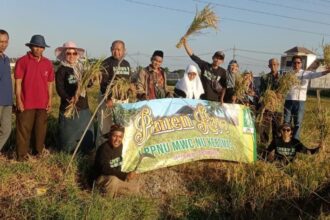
[234, 53]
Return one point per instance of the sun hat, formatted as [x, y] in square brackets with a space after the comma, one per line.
[68, 45]
[37, 40]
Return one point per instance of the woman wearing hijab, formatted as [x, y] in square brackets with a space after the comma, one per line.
[232, 72]
[67, 77]
[190, 86]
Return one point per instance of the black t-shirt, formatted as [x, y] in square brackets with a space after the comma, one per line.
[111, 66]
[66, 86]
[286, 151]
[209, 74]
[108, 161]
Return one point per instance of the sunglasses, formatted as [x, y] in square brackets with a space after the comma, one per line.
[71, 54]
[286, 129]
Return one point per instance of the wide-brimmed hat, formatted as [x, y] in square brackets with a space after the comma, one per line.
[68, 45]
[37, 40]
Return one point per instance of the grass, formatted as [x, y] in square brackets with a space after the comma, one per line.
[199, 190]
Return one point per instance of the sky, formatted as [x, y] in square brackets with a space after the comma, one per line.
[257, 29]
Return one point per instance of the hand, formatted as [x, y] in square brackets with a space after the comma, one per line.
[184, 40]
[20, 106]
[271, 156]
[131, 175]
[49, 106]
[109, 103]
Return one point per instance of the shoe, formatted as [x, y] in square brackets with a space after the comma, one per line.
[43, 154]
[24, 158]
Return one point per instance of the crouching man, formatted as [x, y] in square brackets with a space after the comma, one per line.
[107, 168]
[285, 147]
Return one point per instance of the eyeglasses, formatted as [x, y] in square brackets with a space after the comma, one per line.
[72, 54]
[286, 129]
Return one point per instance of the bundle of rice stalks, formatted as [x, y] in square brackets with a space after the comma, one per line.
[273, 100]
[270, 100]
[121, 91]
[286, 82]
[241, 87]
[322, 123]
[90, 70]
[326, 54]
[203, 19]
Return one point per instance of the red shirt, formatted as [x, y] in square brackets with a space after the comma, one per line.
[35, 77]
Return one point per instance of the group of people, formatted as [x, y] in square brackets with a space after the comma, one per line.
[34, 78]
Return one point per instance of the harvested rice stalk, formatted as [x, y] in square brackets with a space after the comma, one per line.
[90, 70]
[326, 54]
[270, 100]
[121, 91]
[286, 82]
[241, 87]
[202, 20]
[322, 123]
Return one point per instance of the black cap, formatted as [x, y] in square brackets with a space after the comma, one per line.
[158, 53]
[219, 54]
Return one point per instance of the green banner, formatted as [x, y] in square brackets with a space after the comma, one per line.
[167, 132]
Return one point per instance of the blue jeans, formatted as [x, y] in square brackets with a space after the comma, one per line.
[294, 110]
[71, 129]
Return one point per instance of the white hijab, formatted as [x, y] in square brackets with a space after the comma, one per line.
[192, 88]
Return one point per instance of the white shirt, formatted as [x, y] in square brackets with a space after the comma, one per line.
[299, 92]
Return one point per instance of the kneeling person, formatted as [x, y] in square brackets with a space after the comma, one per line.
[284, 148]
[109, 177]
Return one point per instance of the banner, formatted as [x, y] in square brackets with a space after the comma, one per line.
[166, 132]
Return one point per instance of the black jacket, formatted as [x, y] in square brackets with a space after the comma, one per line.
[208, 74]
[66, 86]
[108, 161]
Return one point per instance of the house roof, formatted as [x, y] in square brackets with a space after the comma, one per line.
[299, 50]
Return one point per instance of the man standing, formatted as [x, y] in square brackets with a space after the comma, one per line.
[107, 168]
[34, 76]
[271, 120]
[294, 105]
[151, 83]
[213, 76]
[114, 66]
[6, 91]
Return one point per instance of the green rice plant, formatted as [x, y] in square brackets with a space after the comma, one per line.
[206, 18]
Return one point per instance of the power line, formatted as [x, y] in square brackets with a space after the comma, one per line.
[233, 19]
[278, 27]
[258, 52]
[263, 12]
[312, 3]
[289, 7]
